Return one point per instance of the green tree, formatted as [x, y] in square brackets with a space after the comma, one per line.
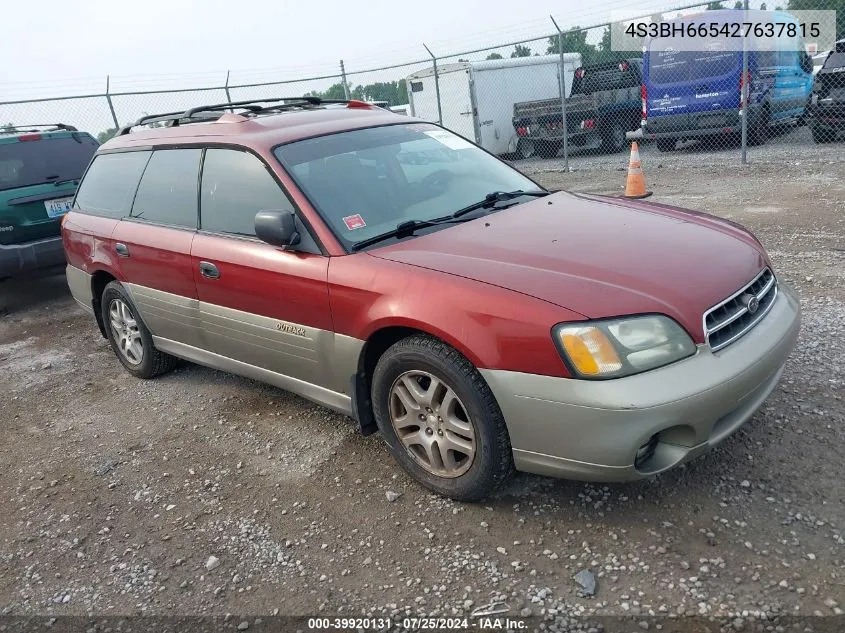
[605, 48]
[494, 56]
[520, 50]
[574, 41]
[715, 6]
[820, 5]
[739, 4]
[8, 127]
[105, 135]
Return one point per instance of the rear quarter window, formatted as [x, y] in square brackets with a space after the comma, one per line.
[110, 184]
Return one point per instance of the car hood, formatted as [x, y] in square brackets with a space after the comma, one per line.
[597, 256]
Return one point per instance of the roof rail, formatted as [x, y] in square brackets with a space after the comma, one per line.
[36, 127]
[204, 113]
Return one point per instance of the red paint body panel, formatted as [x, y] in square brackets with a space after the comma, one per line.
[493, 327]
[88, 244]
[264, 280]
[159, 257]
[596, 257]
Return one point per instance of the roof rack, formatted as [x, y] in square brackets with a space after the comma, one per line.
[36, 127]
[206, 113]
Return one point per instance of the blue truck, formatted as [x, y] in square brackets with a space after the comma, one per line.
[696, 94]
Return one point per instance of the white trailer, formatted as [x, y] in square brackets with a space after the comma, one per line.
[476, 98]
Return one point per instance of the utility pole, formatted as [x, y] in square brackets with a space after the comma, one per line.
[563, 96]
[343, 80]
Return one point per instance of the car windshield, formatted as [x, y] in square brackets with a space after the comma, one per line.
[366, 182]
[50, 159]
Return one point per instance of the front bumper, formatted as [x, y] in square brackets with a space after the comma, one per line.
[19, 258]
[593, 430]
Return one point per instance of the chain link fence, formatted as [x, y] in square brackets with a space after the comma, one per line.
[563, 100]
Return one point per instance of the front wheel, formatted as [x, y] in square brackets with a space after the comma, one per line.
[440, 419]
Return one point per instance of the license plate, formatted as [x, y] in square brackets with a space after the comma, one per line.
[58, 207]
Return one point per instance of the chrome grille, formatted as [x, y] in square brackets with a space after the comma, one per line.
[729, 320]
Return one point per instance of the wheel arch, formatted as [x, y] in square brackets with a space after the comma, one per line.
[99, 280]
[378, 341]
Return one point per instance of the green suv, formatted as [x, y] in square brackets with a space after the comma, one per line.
[40, 168]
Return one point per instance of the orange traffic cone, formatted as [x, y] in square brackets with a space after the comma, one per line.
[635, 185]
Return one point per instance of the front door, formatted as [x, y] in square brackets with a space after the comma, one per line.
[259, 305]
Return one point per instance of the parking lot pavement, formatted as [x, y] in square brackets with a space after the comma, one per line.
[201, 492]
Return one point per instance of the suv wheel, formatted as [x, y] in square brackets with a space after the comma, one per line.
[130, 339]
[440, 419]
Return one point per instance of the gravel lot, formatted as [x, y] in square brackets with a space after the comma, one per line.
[204, 493]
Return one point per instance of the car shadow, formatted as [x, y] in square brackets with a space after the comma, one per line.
[32, 290]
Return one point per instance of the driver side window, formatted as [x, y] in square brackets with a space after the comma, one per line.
[235, 186]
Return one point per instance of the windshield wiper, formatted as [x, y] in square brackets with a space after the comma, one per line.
[403, 228]
[494, 197]
[409, 226]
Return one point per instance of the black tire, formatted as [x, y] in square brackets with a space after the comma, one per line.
[548, 149]
[822, 135]
[613, 138]
[666, 144]
[492, 463]
[760, 132]
[152, 362]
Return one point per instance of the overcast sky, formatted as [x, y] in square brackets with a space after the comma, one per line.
[63, 42]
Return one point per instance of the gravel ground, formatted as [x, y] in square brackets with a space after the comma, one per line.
[204, 493]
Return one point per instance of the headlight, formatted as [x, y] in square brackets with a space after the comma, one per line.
[622, 347]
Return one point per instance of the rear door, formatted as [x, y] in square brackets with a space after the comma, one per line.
[39, 173]
[259, 305]
[153, 245]
[457, 106]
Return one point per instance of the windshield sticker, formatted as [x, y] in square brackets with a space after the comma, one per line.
[448, 139]
[353, 222]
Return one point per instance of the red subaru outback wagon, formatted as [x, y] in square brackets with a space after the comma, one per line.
[391, 270]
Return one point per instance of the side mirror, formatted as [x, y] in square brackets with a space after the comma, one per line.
[277, 228]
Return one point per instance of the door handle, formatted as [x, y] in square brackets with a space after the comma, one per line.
[209, 270]
[121, 249]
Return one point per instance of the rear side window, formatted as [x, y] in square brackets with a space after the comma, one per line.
[235, 186]
[49, 159]
[168, 190]
[110, 184]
